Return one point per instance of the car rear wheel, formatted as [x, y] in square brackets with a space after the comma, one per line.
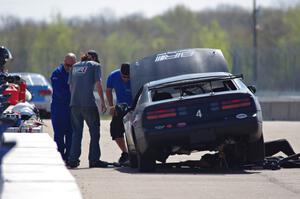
[146, 162]
[256, 150]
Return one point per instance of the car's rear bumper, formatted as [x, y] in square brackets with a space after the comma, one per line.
[205, 135]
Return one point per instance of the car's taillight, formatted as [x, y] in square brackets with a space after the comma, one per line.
[161, 113]
[235, 103]
[45, 92]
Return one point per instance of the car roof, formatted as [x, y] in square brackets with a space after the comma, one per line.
[25, 73]
[33, 78]
[173, 63]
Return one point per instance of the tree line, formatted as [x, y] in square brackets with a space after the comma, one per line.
[40, 46]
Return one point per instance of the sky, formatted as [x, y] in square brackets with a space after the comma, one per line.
[46, 9]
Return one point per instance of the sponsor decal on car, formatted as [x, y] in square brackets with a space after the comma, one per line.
[241, 116]
[174, 55]
[181, 124]
[159, 127]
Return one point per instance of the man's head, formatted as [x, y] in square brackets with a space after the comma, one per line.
[5, 55]
[125, 71]
[69, 60]
[93, 55]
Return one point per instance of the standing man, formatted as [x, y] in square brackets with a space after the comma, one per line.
[119, 81]
[60, 106]
[84, 76]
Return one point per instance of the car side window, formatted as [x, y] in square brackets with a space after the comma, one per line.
[220, 86]
[240, 84]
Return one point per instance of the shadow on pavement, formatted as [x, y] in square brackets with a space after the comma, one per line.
[186, 170]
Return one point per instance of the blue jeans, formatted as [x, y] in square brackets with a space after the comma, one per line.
[91, 116]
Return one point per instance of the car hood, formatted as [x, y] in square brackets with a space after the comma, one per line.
[180, 62]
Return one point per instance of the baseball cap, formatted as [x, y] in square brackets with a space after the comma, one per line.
[94, 55]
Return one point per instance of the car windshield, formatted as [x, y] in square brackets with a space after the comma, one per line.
[191, 88]
[27, 79]
[38, 80]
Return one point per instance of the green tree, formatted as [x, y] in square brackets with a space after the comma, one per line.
[118, 48]
[213, 36]
[52, 42]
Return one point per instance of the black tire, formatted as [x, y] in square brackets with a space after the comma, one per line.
[256, 151]
[235, 154]
[146, 162]
[132, 158]
[44, 114]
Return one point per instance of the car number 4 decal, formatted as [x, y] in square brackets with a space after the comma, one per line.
[199, 114]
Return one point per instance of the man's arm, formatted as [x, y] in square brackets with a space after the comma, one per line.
[110, 101]
[100, 93]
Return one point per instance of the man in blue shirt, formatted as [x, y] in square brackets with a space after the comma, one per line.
[60, 109]
[119, 81]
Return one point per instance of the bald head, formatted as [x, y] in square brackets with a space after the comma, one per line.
[69, 60]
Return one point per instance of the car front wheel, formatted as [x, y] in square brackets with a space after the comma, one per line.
[132, 157]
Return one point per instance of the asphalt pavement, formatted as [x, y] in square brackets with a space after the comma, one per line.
[178, 183]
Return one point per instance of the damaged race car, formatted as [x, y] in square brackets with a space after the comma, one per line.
[186, 101]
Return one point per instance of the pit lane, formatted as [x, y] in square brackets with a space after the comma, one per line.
[116, 183]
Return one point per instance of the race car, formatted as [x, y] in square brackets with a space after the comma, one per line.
[186, 101]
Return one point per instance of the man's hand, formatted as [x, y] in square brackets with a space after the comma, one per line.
[103, 108]
[112, 111]
[100, 93]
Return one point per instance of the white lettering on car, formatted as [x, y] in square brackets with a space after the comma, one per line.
[174, 55]
[199, 113]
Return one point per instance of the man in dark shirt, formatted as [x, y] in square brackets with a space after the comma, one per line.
[60, 106]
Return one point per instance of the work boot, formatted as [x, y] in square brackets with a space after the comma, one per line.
[99, 164]
[72, 164]
[124, 159]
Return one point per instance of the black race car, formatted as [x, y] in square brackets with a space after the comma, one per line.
[187, 101]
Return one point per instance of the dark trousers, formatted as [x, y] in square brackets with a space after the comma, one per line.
[91, 116]
[276, 146]
[61, 122]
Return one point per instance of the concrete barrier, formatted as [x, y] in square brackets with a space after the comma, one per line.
[34, 169]
[284, 109]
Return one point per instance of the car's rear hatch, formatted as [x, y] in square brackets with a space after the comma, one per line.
[208, 111]
[209, 115]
